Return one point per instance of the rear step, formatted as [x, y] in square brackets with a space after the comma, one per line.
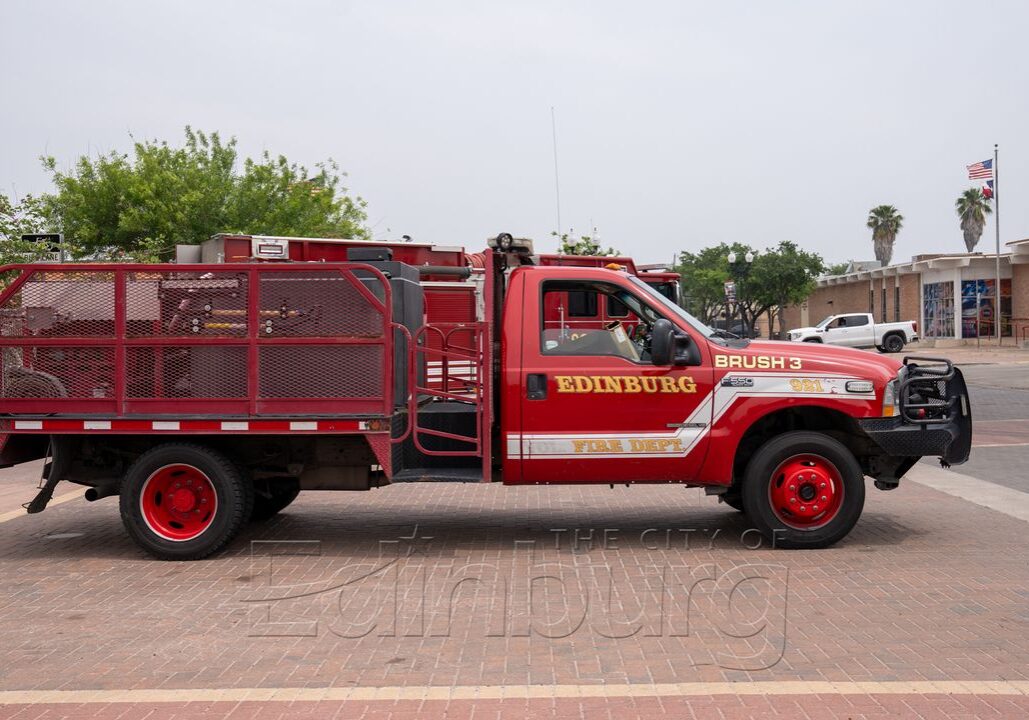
[456, 418]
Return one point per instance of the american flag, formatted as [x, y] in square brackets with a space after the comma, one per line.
[981, 170]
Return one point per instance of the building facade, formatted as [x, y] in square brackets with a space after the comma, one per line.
[951, 297]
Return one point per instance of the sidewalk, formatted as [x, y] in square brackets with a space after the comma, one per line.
[971, 355]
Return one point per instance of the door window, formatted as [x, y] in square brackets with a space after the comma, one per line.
[624, 333]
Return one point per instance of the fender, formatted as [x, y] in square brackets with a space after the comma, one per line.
[737, 421]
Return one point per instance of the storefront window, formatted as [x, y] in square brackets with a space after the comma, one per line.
[979, 305]
[938, 309]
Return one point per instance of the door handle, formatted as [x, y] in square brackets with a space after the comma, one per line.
[536, 386]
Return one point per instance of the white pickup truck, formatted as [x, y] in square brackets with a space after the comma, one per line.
[859, 330]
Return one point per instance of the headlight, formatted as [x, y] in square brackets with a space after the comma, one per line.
[890, 407]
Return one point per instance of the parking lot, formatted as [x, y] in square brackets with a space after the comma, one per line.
[471, 600]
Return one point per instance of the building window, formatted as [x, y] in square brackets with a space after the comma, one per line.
[979, 308]
[896, 303]
[938, 309]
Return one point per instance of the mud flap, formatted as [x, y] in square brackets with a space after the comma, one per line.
[58, 458]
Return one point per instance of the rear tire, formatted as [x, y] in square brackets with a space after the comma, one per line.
[181, 501]
[803, 490]
[275, 496]
[893, 343]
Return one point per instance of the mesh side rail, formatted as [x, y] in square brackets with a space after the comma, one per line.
[134, 339]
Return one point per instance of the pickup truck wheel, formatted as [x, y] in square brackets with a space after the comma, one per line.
[182, 501]
[803, 490]
[893, 343]
[276, 496]
[817, 340]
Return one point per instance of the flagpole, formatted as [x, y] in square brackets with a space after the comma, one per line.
[996, 219]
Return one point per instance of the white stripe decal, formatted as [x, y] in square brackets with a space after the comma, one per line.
[301, 425]
[165, 425]
[559, 446]
[235, 425]
[96, 425]
[28, 424]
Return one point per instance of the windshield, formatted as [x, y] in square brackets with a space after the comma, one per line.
[669, 305]
[825, 322]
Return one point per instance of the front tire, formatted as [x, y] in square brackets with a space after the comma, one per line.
[803, 490]
[181, 501]
[733, 500]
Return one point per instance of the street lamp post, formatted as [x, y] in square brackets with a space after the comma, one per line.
[739, 271]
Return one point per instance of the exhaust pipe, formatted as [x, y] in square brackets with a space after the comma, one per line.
[101, 491]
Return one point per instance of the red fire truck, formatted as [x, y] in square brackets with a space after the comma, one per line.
[209, 394]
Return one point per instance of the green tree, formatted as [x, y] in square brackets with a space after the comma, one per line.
[141, 206]
[836, 268]
[778, 277]
[885, 222]
[23, 217]
[972, 207]
[704, 275]
[783, 276]
[585, 245]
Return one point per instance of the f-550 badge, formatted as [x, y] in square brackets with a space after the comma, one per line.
[737, 382]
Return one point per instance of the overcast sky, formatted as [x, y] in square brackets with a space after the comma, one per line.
[678, 124]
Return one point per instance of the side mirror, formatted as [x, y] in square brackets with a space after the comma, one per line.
[662, 341]
[668, 346]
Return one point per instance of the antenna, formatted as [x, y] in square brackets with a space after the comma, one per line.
[557, 180]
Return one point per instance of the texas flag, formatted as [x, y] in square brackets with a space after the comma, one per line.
[988, 189]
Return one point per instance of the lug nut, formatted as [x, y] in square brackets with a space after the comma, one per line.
[793, 500]
[793, 488]
[802, 508]
[825, 499]
[816, 508]
[822, 486]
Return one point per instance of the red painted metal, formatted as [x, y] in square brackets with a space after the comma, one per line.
[178, 502]
[127, 348]
[806, 492]
[131, 339]
[459, 388]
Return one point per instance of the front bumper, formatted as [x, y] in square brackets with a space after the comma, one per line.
[935, 414]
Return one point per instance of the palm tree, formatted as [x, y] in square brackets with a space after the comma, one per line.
[885, 222]
[972, 207]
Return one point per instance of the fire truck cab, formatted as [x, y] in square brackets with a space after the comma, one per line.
[206, 395]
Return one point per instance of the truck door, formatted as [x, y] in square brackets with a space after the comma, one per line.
[839, 331]
[594, 408]
[862, 331]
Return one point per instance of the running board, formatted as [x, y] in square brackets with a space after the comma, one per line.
[470, 475]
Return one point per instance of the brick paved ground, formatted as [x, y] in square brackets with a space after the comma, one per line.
[424, 591]
[928, 587]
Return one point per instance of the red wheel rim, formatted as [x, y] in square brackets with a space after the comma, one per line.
[178, 502]
[806, 492]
